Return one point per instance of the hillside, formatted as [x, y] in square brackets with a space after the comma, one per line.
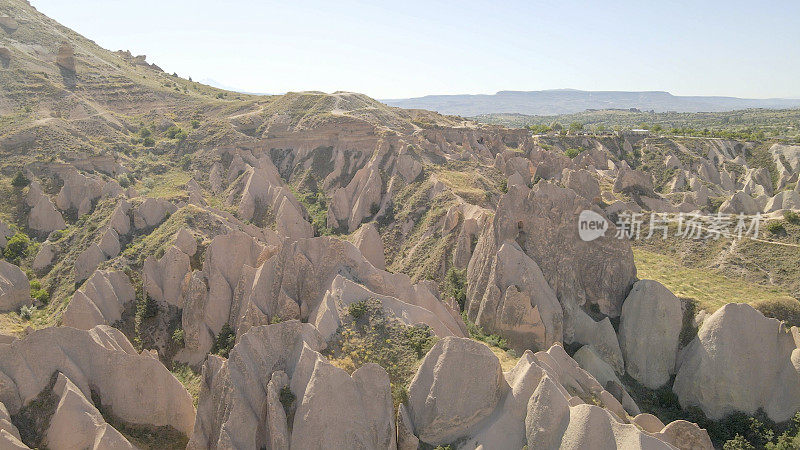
[569, 101]
[187, 267]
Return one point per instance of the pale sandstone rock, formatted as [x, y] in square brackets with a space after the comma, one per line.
[111, 189]
[162, 279]
[328, 316]
[120, 221]
[783, 200]
[76, 423]
[740, 202]
[580, 273]
[100, 301]
[340, 411]
[78, 192]
[137, 388]
[231, 410]
[518, 303]
[152, 212]
[591, 362]
[15, 291]
[277, 425]
[686, 436]
[87, 262]
[438, 408]
[9, 435]
[740, 361]
[406, 440]
[109, 243]
[186, 242]
[583, 183]
[302, 271]
[5, 233]
[370, 244]
[602, 337]
[633, 181]
[649, 332]
[290, 222]
[648, 422]
[44, 257]
[44, 217]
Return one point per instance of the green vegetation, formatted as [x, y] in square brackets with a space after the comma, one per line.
[573, 152]
[17, 248]
[146, 437]
[190, 379]
[38, 293]
[708, 287]
[177, 336]
[371, 337]
[776, 227]
[287, 399]
[792, 217]
[477, 333]
[19, 181]
[747, 124]
[33, 419]
[456, 286]
[224, 342]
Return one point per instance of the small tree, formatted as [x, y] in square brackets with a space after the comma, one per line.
[19, 181]
[17, 247]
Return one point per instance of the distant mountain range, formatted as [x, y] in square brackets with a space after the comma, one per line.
[568, 101]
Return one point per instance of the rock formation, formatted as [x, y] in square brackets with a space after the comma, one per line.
[741, 361]
[100, 300]
[649, 331]
[14, 288]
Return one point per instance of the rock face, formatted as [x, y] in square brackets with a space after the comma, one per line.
[44, 257]
[649, 333]
[5, 233]
[331, 410]
[137, 388]
[76, 423]
[440, 411]
[328, 316]
[65, 58]
[740, 202]
[44, 217]
[540, 403]
[741, 361]
[633, 181]
[15, 291]
[87, 262]
[370, 244]
[301, 272]
[79, 191]
[9, 435]
[583, 183]
[518, 303]
[152, 212]
[8, 24]
[543, 222]
[163, 278]
[100, 301]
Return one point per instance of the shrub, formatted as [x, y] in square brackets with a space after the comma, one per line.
[786, 310]
[504, 186]
[19, 180]
[572, 152]
[776, 228]
[477, 333]
[287, 399]
[18, 247]
[145, 132]
[177, 336]
[149, 142]
[791, 217]
[195, 124]
[41, 295]
[26, 311]
[357, 309]
[456, 286]
[224, 342]
[146, 308]
[174, 132]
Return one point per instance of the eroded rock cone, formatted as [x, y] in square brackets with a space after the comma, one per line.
[65, 58]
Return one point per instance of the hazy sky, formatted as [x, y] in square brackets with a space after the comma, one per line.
[406, 48]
